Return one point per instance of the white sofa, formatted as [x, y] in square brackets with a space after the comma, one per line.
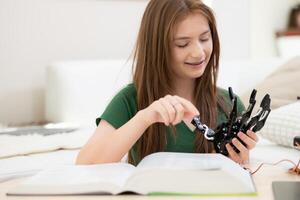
[78, 91]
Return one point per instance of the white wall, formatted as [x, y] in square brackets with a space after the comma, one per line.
[34, 33]
[267, 17]
[233, 18]
[247, 27]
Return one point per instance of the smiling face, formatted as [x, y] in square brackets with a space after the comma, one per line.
[191, 47]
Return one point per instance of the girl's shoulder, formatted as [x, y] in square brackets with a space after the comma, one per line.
[222, 92]
[128, 91]
[121, 108]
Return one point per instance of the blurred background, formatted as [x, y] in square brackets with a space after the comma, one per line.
[35, 33]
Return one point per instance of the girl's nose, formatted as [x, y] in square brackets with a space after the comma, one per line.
[197, 51]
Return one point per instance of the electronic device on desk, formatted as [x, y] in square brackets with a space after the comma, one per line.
[297, 142]
[287, 190]
[48, 129]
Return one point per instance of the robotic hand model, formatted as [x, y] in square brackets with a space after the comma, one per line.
[225, 132]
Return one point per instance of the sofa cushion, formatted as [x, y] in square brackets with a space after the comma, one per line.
[283, 125]
[282, 85]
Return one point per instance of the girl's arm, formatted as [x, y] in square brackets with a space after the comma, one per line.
[110, 145]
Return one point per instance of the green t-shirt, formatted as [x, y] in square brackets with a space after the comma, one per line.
[124, 106]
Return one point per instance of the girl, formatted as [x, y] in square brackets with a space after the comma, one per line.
[175, 72]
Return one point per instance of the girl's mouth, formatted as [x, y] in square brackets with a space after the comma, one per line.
[195, 64]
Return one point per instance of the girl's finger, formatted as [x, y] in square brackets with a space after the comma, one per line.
[252, 135]
[179, 109]
[232, 154]
[163, 113]
[179, 113]
[170, 109]
[243, 150]
[250, 143]
[190, 109]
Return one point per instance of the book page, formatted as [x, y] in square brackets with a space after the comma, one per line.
[166, 160]
[77, 179]
[190, 174]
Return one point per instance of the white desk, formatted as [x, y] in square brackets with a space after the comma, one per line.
[264, 152]
[262, 179]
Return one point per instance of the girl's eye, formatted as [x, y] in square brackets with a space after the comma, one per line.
[182, 45]
[204, 39]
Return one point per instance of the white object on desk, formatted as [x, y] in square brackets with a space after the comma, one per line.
[13, 145]
[194, 174]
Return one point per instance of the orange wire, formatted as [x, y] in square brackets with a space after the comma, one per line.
[295, 169]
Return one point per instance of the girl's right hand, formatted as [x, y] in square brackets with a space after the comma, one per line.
[170, 110]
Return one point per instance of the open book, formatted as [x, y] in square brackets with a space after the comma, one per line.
[161, 173]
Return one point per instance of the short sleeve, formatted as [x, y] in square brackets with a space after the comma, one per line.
[121, 108]
[222, 116]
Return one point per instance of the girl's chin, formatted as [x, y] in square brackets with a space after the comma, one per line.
[195, 72]
[194, 75]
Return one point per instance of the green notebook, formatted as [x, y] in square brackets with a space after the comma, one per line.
[161, 173]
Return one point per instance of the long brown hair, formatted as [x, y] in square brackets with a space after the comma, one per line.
[292, 23]
[152, 66]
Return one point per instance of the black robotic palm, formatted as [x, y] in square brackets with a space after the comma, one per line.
[225, 132]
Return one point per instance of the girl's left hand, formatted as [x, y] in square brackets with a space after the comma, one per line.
[250, 139]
